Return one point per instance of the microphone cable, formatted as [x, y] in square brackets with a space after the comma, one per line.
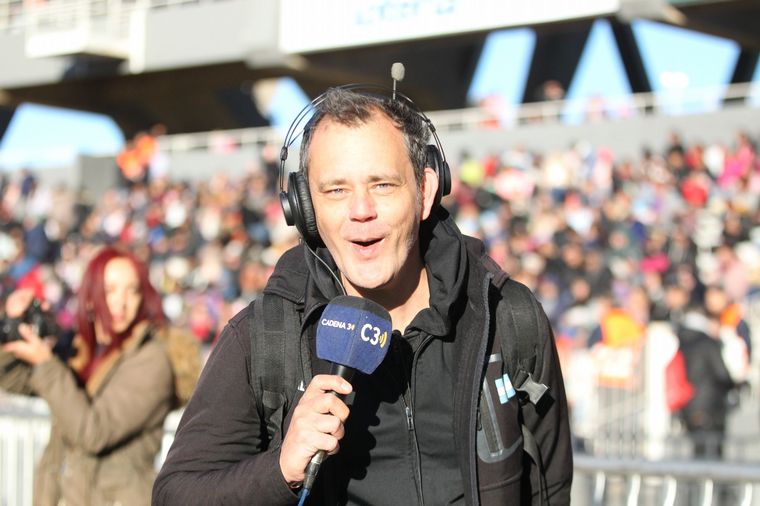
[305, 489]
[332, 273]
[304, 495]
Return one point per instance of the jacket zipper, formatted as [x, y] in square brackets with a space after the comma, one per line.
[407, 398]
[409, 408]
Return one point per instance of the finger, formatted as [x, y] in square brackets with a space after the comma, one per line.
[329, 443]
[19, 349]
[335, 450]
[10, 347]
[30, 348]
[18, 301]
[324, 403]
[341, 431]
[324, 424]
[327, 383]
[318, 441]
[27, 333]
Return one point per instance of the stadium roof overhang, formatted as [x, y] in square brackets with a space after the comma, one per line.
[736, 20]
[205, 88]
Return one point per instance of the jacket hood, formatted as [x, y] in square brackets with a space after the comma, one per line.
[290, 275]
[185, 357]
[445, 257]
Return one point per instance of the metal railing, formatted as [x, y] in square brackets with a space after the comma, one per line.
[480, 118]
[24, 432]
[600, 481]
[598, 108]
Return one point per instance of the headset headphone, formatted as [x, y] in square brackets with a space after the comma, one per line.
[296, 200]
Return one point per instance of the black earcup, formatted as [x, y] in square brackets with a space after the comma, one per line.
[297, 205]
[434, 160]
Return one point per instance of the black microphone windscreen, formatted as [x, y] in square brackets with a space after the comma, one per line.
[354, 332]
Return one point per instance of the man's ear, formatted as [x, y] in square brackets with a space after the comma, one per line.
[429, 191]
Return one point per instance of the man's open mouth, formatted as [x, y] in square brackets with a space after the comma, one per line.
[366, 243]
[366, 246]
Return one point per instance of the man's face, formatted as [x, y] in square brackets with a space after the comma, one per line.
[367, 202]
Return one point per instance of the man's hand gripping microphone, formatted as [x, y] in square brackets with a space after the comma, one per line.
[354, 334]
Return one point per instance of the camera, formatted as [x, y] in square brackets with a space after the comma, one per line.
[42, 321]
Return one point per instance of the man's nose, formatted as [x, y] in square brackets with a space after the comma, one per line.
[362, 206]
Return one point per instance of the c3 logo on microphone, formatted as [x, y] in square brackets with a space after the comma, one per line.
[372, 335]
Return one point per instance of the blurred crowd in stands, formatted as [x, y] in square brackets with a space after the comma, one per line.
[608, 245]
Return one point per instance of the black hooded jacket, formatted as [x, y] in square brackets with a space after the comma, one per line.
[415, 433]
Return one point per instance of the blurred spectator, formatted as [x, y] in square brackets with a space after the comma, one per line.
[141, 158]
[731, 273]
[618, 339]
[550, 92]
[28, 183]
[596, 108]
[705, 414]
[730, 316]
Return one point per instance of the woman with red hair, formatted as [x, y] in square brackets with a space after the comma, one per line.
[108, 402]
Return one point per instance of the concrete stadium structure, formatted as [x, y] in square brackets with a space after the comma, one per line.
[193, 65]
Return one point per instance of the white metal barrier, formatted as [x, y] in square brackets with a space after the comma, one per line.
[599, 481]
[24, 431]
[603, 481]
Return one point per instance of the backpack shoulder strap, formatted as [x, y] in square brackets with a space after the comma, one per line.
[278, 364]
[520, 341]
[516, 319]
[522, 350]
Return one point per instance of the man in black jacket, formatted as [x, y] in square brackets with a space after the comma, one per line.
[428, 426]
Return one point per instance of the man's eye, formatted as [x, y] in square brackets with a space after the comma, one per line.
[384, 187]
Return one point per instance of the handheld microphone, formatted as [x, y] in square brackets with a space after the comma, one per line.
[354, 334]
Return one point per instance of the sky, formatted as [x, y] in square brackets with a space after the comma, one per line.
[674, 58]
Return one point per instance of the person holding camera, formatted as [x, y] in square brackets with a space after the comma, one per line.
[127, 370]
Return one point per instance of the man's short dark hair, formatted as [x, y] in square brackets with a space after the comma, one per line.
[353, 108]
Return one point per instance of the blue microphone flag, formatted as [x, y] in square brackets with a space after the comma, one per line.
[354, 332]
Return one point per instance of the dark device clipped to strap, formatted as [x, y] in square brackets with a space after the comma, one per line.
[523, 354]
[523, 351]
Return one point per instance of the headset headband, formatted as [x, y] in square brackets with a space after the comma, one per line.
[307, 111]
